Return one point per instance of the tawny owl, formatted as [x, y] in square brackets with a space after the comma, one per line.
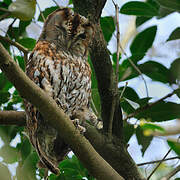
[58, 65]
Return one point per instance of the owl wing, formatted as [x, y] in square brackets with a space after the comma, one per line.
[37, 70]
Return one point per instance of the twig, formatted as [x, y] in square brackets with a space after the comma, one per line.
[150, 105]
[42, 15]
[4, 10]
[136, 68]
[152, 162]
[16, 44]
[116, 73]
[172, 173]
[159, 164]
[123, 90]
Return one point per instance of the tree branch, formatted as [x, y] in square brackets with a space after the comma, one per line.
[16, 44]
[115, 97]
[159, 164]
[152, 162]
[17, 118]
[124, 166]
[56, 118]
[102, 65]
[150, 105]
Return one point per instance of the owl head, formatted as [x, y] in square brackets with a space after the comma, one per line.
[69, 31]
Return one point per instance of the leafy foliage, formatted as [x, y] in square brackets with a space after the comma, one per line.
[175, 4]
[139, 9]
[174, 35]
[108, 27]
[142, 42]
[23, 9]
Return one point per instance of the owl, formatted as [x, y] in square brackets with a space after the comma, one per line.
[58, 64]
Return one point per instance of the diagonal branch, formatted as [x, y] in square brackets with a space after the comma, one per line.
[159, 164]
[152, 162]
[16, 44]
[56, 118]
[150, 105]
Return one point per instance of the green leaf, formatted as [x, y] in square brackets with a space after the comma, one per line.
[175, 146]
[128, 131]
[16, 98]
[108, 27]
[25, 148]
[139, 9]
[4, 172]
[7, 133]
[70, 1]
[175, 71]
[23, 9]
[143, 41]
[141, 19]
[5, 85]
[29, 168]
[130, 93]
[163, 12]
[13, 33]
[177, 92]
[28, 43]
[4, 6]
[133, 104]
[175, 34]
[8, 2]
[170, 4]
[93, 75]
[4, 97]
[160, 112]
[21, 62]
[144, 141]
[155, 71]
[150, 126]
[9, 154]
[96, 99]
[46, 12]
[23, 25]
[129, 108]
[72, 168]
[126, 71]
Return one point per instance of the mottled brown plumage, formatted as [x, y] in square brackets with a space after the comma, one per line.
[58, 64]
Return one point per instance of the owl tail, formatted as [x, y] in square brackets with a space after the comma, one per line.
[46, 162]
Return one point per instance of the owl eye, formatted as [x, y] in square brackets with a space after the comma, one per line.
[82, 36]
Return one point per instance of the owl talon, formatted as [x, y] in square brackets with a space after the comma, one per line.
[76, 123]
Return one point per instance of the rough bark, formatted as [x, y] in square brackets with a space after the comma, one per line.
[102, 64]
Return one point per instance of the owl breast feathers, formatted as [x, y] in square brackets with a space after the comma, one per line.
[58, 65]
